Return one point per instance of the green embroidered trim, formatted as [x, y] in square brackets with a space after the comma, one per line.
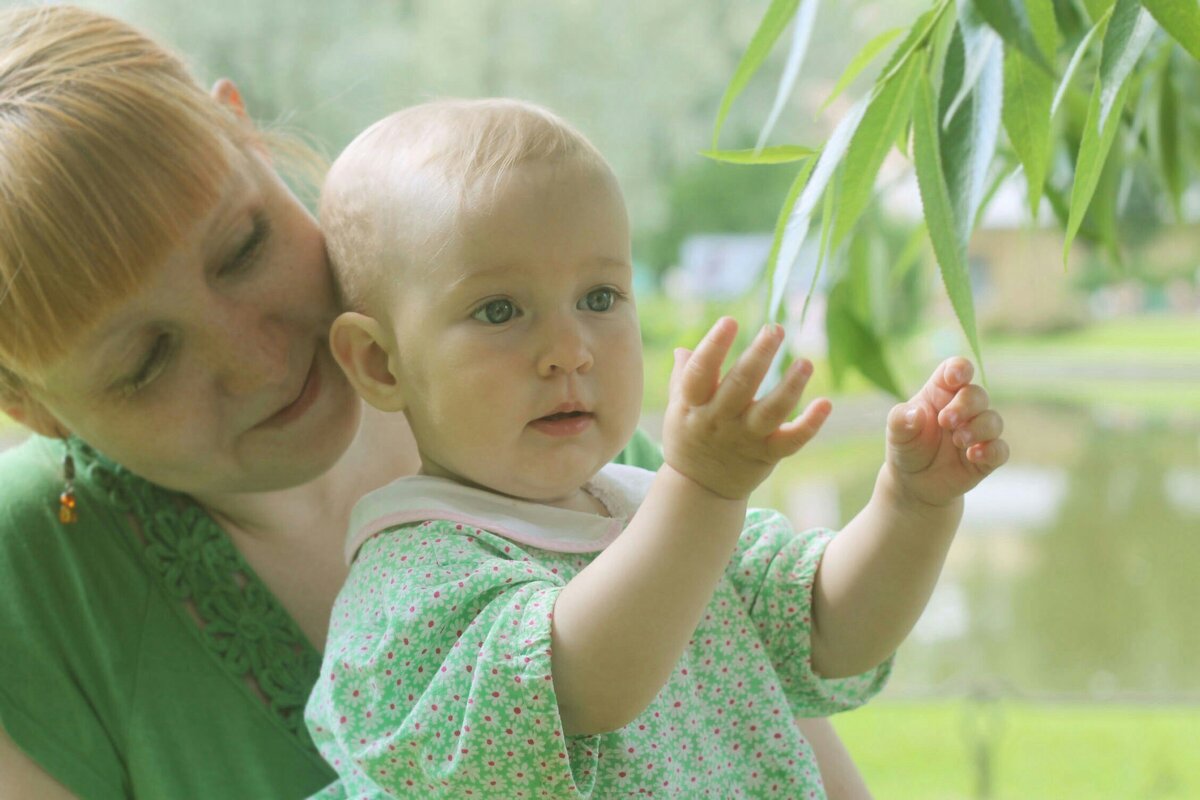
[243, 625]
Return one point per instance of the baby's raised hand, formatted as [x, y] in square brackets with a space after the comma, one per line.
[715, 432]
[946, 439]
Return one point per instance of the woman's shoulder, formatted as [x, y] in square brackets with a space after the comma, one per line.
[35, 546]
[32, 480]
[29, 466]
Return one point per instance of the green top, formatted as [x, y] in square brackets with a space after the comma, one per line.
[141, 654]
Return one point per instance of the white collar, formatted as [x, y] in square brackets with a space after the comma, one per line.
[418, 498]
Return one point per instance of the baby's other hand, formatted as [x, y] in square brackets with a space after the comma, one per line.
[715, 432]
[946, 439]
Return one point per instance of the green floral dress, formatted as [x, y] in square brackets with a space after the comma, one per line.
[437, 682]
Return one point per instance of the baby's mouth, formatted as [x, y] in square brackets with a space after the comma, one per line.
[564, 423]
[564, 415]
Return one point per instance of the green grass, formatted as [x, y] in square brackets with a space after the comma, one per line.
[930, 750]
[1178, 335]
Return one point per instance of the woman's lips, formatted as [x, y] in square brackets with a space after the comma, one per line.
[304, 401]
[570, 424]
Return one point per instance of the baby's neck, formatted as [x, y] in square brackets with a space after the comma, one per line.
[580, 500]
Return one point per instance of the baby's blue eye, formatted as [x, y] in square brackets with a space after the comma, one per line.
[495, 312]
[598, 300]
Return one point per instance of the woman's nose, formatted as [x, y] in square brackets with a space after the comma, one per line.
[565, 349]
[252, 352]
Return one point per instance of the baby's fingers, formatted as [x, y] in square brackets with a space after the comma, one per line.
[983, 428]
[697, 378]
[772, 411]
[988, 456]
[967, 403]
[741, 383]
[791, 437]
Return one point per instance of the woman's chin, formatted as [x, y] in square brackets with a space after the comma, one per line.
[295, 461]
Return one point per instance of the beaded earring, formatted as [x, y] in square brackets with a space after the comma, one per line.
[66, 501]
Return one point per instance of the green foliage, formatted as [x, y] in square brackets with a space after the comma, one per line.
[1181, 19]
[882, 125]
[1111, 86]
[778, 15]
[1028, 93]
[1128, 33]
[783, 154]
[716, 196]
[1020, 27]
[865, 56]
[950, 248]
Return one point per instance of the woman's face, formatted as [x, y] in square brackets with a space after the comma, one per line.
[216, 377]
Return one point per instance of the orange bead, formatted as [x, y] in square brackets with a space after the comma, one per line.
[66, 508]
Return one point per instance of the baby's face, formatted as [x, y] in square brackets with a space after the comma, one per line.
[519, 348]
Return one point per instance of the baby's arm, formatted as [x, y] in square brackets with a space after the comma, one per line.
[878, 573]
[622, 623]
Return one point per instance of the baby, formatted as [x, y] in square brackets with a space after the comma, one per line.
[523, 619]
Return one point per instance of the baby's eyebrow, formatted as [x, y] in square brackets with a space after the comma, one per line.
[610, 263]
[487, 273]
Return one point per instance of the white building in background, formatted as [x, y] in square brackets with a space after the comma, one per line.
[722, 267]
[719, 266]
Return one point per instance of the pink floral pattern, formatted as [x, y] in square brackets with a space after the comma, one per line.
[437, 678]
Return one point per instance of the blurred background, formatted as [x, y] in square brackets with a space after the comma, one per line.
[1058, 657]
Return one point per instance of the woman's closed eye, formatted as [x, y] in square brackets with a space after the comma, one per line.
[496, 312]
[152, 365]
[251, 247]
[600, 300]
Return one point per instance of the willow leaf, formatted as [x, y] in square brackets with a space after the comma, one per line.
[779, 154]
[1179, 18]
[887, 115]
[910, 256]
[796, 228]
[1168, 142]
[949, 248]
[968, 142]
[1129, 31]
[1076, 58]
[916, 38]
[1093, 151]
[860, 62]
[1098, 8]
[828, 214]
[1044, 25]
[1028, 92]
[785, 214]
[1010, 19]
[980, 48]
[801, 33]
[853, 343]
[779, 13]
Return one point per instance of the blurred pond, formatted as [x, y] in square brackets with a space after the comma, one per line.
[1076, 572]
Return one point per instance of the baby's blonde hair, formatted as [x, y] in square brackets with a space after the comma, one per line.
[109, 152]
[435, 158]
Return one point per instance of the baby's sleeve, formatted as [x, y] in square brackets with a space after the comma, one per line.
[436, 680]
[773, 569]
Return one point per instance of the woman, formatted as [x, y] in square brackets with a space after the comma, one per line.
[170, 543]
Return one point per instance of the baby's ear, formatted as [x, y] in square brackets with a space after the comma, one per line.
[363, 349]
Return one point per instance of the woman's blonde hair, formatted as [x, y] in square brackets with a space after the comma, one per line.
[109, 152]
